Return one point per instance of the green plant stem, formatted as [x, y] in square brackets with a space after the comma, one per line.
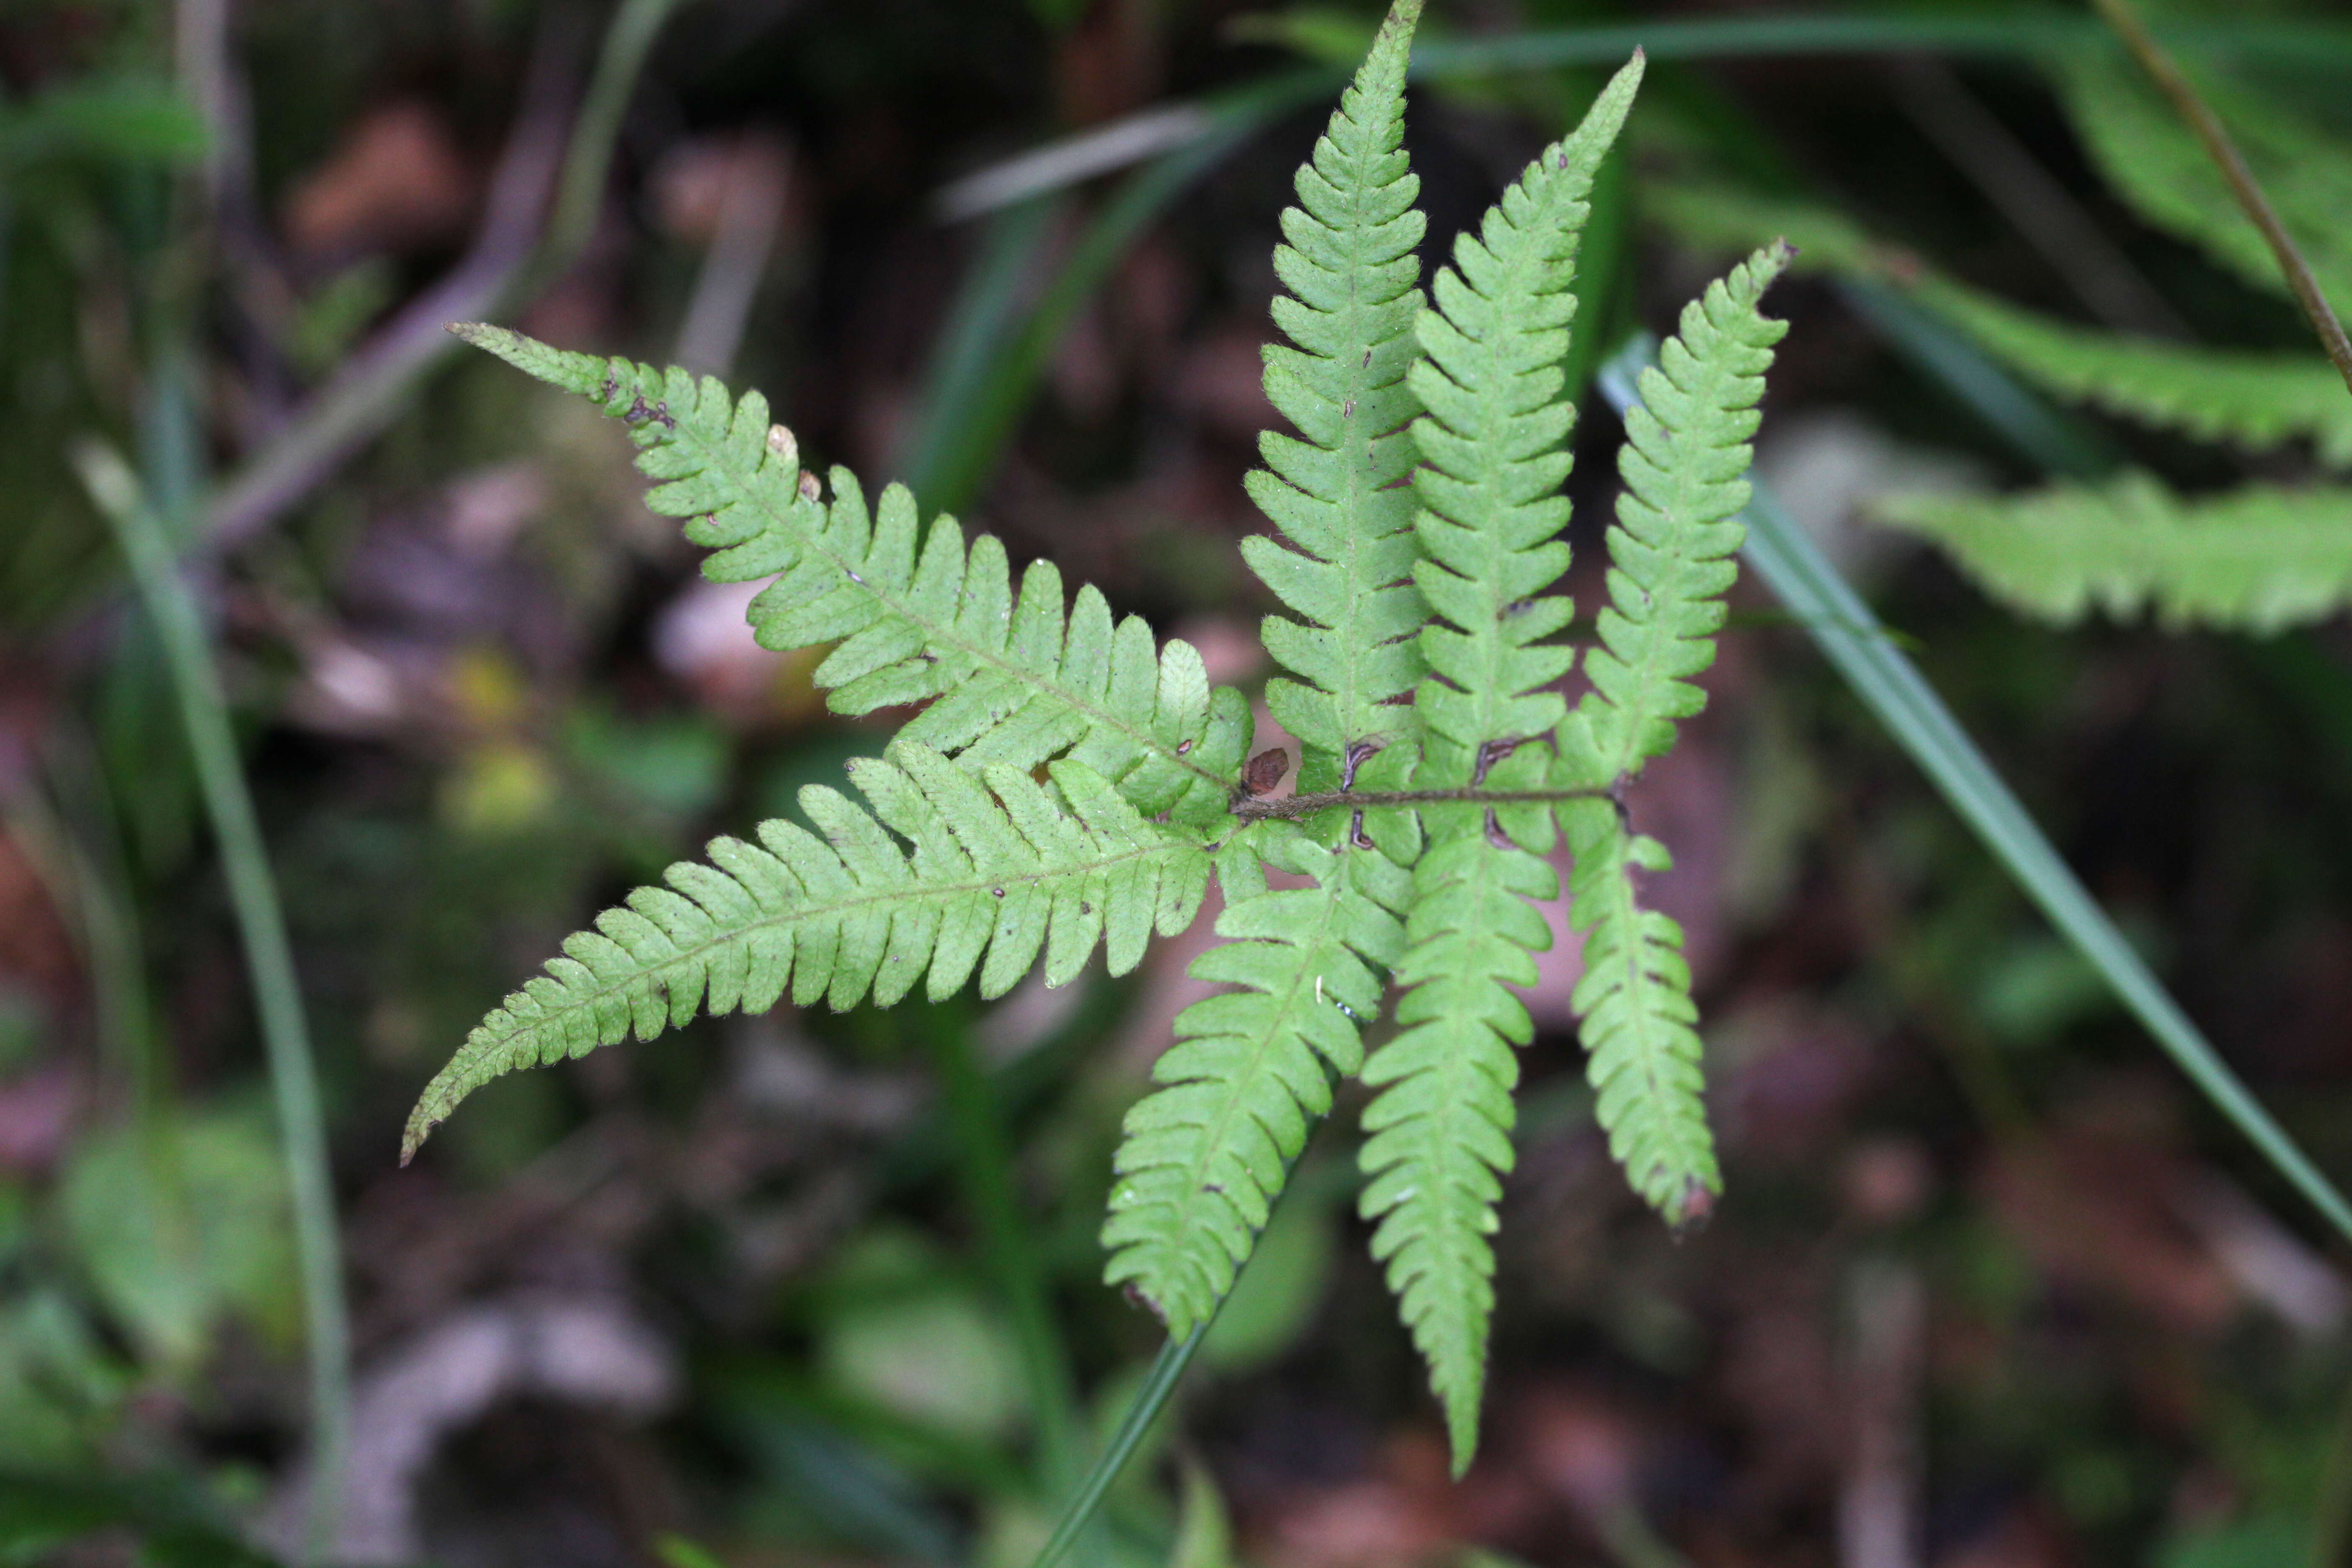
[2160, 67]
[1159, 1384]
[1891, 685]
[269, 963]
[960, 457]
[580, 188]
[88, 880]
[977, 1127]
[1291, 808]
[987, 306]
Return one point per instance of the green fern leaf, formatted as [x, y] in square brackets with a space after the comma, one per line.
[2150, 155]
[1003, 871]
[2255, 559]
[1439, 1131]
[1494, 444]
[1207, 1152]
[917, 616]
[1350, 266]
[1671, 561]
[2255, 399]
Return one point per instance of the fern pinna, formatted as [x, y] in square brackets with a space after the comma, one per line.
[1068, 782]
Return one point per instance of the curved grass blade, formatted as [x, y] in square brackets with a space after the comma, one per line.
[1159, 130]
[1891, 685]
[270, 964]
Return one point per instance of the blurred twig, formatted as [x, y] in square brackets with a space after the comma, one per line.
[510, 259]
[269, 961]
[2161, 68]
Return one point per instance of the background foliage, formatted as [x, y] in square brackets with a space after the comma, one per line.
[1987, 1284]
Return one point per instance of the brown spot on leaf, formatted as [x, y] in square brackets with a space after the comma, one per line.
[1265, 771]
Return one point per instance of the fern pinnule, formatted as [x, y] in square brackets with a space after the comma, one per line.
[1492, 442]
[1438, 1133]
[1350, 266]
[2255, 398]
[918, 617]
[1671, 561]
[1671, 549]
[2259, 557]
[998, 866]
[1206, 1154]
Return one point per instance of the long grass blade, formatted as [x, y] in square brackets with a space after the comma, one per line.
[971, 416]
[270, 963]
[2312, 44]
[1059, 164]
[2042, 435]
[1891, 685]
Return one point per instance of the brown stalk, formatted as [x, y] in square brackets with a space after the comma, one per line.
[2224, 153]
[1291, 808]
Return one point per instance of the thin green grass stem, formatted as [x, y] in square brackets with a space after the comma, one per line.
[1891, 685]
[2040, 434]
[2320, 46]
[972, 416]
[984, 1164]
[1158, 1385]
[2312, 44]
[269, 963]
[982, 316]
[588, 155]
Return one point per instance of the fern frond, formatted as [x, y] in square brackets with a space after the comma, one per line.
[1206, 1154]
[2255, 399]
[1642, 1052]
[1687, 446]
[1439, 1131]
[1670, 558]
[1493, 441]
[1350, 266]
[2255, 559]
[917, 616]
[1494, 446]
[998, 866]
[2156, 161]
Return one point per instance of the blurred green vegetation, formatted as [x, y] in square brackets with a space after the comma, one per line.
[738, 1297]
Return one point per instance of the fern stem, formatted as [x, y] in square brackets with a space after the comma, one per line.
[1290, 808]
[269, 963]
[2154, 60]
[976, 1122]
[1159, 1384]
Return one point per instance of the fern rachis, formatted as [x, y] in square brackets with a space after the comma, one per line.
[1068, 782]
